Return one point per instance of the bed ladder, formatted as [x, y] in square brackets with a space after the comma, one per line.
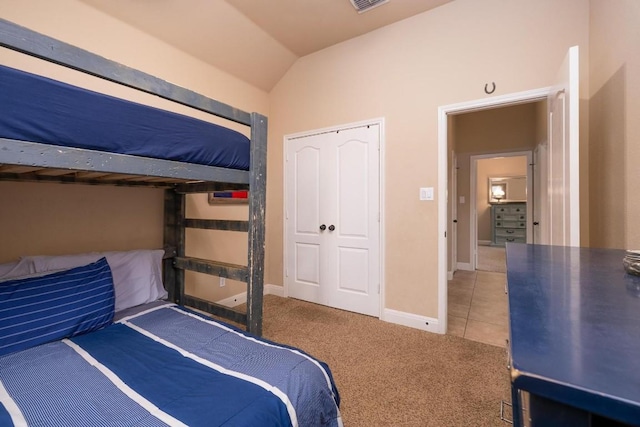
[176, 224]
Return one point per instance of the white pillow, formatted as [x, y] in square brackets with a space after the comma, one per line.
[137, 275]
[15, 269]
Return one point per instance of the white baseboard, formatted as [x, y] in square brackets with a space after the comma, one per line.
[234, 300]
[424, 323]
[450, 275]
[466, 266]
[274, 290]
[241, 298]
[484, 242]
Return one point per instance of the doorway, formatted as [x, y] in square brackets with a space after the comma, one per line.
[493, 148]
[498, 218]
[562, 192]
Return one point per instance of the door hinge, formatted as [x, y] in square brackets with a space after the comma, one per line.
[286, 272]
[378, 288]
[445, 234]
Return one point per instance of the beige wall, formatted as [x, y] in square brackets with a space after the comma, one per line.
[102, 218]
[495, 168]
[499, 130]
[56, 219]
[614, 125]
[403, 72]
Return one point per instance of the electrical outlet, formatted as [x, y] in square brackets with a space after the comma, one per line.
[222, 282]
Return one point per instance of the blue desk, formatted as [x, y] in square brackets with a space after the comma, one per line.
[574, 318]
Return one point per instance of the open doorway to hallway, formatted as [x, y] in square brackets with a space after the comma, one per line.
[557, 158]
[493, 151]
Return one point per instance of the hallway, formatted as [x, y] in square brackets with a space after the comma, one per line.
[477, 307]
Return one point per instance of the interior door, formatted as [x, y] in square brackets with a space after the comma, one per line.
[563, 155]
[303, 174]
[453, 203]
[332, 219]
[540, 196]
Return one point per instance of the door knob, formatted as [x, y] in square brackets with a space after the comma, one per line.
[455, 221]
[332, 227]
[535, 223]
[323, 227]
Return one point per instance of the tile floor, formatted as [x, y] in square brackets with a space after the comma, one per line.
[477, 307]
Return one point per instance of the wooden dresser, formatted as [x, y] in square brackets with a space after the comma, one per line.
[574, 338]
[508, 223]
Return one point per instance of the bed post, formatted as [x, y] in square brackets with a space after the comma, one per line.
[174, 212]
[257, 203]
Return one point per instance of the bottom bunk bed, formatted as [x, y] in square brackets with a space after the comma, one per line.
[87, 340]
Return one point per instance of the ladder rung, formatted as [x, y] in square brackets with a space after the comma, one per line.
[217, 224]
[215, 309]
[214, 268]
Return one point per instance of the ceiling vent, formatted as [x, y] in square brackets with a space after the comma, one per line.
[366, 5]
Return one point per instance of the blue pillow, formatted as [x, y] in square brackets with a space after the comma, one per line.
[37, 310]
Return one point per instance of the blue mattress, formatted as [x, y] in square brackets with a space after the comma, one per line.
[166, 366]
[38, 109]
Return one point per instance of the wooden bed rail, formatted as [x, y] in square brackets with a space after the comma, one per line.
[29, 154]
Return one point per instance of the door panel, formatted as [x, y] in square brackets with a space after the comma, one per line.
[352, 187]
[353, 268]
[307, 259]
[307, 190]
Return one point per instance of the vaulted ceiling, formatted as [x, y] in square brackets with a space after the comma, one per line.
[256, 40]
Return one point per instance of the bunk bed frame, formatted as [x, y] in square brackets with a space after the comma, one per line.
[30, 161]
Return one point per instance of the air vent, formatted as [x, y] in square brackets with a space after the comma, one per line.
[366, 5]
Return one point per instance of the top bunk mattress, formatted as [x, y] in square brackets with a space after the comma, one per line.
[38, 109]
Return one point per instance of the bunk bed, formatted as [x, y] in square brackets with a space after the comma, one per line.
[213, 373]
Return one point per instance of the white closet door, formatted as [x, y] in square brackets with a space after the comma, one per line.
[302, 219]
[333, 183]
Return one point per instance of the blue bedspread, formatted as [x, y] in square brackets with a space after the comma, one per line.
[166, 366]
[38, 109]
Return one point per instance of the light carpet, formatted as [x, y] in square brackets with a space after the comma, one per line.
[391, 375]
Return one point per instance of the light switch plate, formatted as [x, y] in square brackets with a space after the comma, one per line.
[426, 193]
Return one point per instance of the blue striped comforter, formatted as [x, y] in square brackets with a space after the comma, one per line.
[166, 366]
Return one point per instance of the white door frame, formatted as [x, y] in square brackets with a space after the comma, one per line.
[473, 198]
[443, 112]
[380, 123]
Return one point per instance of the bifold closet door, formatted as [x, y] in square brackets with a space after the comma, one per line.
[332, 219]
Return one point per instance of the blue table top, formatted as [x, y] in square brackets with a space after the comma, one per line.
[574, 318]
